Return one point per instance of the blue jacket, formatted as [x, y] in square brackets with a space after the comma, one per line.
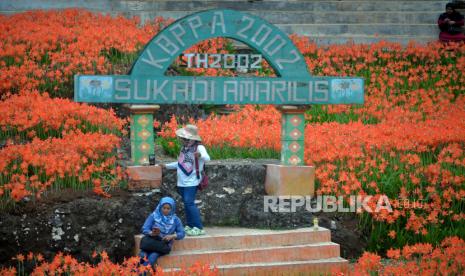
[155, 220]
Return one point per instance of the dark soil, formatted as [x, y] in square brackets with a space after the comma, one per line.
[79, 222]
[76, 222]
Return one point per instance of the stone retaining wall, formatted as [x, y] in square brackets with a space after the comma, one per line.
[80, 222]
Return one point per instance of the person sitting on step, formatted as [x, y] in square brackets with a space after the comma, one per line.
[162, 226]
[188, 180]
[450, 23]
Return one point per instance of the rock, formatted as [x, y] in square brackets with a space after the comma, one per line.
[56, 221]
[62, 211]
[333, 225]
[247, 191]
[57, 232]
[229, 190]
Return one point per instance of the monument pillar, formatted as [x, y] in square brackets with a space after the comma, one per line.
[142, 175]
[291, 177]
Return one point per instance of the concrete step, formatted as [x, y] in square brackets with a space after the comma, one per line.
[303, 252]
[322, 39]
[319, 6]
[244, 251]
[308, 267]
[220, 238]
[367, 39]
[182, 5]
[309, 17]
[324, 21]
[361, 29]
[298, 17]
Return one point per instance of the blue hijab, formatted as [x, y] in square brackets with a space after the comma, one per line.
[165, 223]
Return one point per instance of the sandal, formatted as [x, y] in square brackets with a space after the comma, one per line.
[197, 232]
[190, 232]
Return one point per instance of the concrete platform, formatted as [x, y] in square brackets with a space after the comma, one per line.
[243, 251]
[144, 178]
[283, 180]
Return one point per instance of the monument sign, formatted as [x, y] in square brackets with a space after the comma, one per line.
[146, 83]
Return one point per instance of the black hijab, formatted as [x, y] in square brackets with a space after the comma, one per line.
[454, 16]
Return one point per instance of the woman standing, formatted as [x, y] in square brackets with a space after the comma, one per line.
[191, 150]
[450, 23]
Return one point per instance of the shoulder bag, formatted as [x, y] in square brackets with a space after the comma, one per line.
[203, 184]
[154, 244]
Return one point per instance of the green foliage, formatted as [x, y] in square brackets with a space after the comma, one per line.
[172, 147]
[320, 114]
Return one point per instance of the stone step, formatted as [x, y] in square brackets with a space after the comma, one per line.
[244, 251]
[367, 39]
[308, 267]
[309, 17]
[318, 6]
[324, 21]
[361, 29]
[302, 252]
[182, 5]
[221, 238]
[301, 17]
[322, 39]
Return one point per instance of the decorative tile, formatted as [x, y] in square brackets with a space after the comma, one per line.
[292, 138]
[295, 120]
[294, 160]
[143, 120]
[144, 147]
[295, 134]
[294, 147]
[144, 134]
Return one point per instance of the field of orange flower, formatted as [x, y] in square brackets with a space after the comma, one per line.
[50, 142]
[407, 141]
[67, 265]
[417, 259]
[36, 117]
[33, 57]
